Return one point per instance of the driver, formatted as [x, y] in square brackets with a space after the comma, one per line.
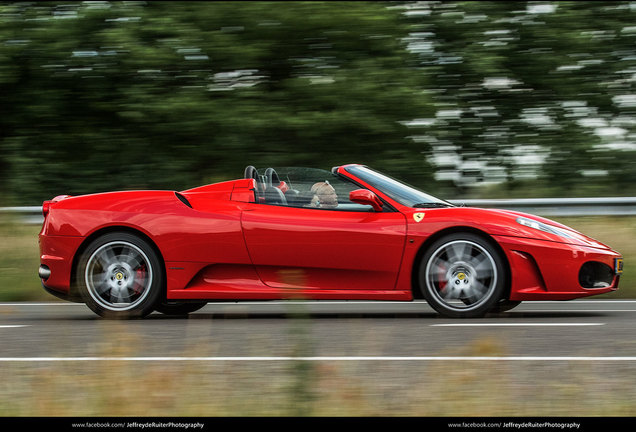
[324, 196]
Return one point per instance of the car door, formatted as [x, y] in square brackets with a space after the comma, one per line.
[320, 249]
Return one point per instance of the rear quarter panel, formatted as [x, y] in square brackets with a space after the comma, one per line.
[187, 239]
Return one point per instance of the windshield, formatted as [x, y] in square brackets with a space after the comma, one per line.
[395, 189]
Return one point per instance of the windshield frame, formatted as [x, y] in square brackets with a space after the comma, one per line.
[397, 190]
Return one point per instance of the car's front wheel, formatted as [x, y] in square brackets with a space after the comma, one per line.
[119, 275]
[462, 275]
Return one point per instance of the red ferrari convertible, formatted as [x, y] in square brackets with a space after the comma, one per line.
[350, 233]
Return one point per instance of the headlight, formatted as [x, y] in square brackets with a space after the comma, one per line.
[531, 223]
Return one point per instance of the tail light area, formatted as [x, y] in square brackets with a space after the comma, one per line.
[46, 205]
[46, 209]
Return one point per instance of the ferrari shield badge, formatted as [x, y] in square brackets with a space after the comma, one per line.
[418, 217]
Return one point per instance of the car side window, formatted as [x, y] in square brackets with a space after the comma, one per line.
[306, 188]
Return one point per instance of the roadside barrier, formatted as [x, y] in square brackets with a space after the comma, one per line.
[613, 206]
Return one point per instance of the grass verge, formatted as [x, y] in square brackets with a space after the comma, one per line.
[19, 262]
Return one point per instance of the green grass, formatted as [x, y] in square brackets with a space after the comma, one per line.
[19, 262]
[19, 255]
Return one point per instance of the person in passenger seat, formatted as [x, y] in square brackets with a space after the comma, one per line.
[324, 196]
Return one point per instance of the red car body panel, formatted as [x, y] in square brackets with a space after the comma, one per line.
[225, 246]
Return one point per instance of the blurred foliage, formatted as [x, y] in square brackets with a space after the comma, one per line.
[99, 96]
[541, 90]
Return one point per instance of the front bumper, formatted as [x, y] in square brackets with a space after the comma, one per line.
[545, 270]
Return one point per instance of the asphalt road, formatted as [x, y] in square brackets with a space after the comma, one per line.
[581, 330]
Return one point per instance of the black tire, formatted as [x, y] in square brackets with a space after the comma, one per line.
[120, 276]
[178, 308]
[504, 305]
[462, 275]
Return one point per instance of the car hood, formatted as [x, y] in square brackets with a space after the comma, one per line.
[576, 237]
[504, 223]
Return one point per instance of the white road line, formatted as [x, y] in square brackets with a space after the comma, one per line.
[581, 301]
[43, 304]
[326, 358]
[516, 324]
[13, 326]
[574, 310]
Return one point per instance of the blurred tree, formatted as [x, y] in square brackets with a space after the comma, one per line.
[552, 78]
[108, 95]
[100, 96]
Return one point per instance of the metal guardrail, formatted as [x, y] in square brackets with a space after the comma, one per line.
[550, 207]
[31, 215]
[612, 206]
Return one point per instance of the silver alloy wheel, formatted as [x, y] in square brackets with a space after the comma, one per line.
[462, 275]
[118, 276]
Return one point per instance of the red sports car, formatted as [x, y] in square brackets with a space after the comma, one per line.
[350, 233]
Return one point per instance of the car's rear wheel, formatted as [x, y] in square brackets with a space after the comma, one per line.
[178, 308]
[462, 275]
[119, 275]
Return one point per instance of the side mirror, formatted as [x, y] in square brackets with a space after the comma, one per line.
[366, 197]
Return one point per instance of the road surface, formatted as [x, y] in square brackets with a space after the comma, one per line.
[580, 330]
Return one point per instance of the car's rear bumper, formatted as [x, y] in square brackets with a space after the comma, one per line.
[56, 263]
[544, 270]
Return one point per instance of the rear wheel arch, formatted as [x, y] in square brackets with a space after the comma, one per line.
[417, 261]
[109, 230]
